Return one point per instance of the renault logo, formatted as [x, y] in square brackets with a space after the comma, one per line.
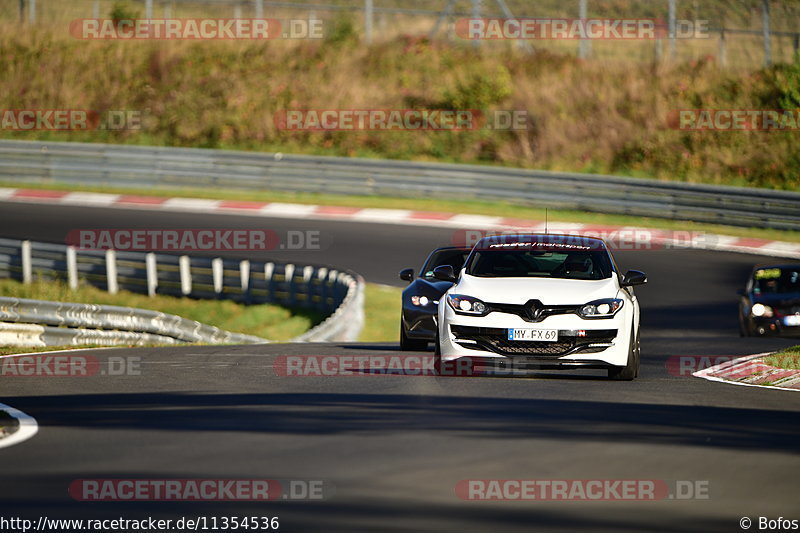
[534, 309]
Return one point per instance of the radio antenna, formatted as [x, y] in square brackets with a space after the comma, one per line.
[545, 220]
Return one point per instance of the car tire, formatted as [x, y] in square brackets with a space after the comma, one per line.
[744, 331]
[411, 345]
[437, 355]
[631, 369]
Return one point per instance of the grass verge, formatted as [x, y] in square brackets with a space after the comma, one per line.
[788, 358]
[264, 320]
[382, 314]
[474, 207]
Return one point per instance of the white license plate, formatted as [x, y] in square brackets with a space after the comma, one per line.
[528, 334]
[792, 320]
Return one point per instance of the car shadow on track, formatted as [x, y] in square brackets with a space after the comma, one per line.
[343, 413]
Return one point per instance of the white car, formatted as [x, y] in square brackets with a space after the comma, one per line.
[541, 301]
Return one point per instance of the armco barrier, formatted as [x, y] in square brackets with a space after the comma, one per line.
[335, 293]
[15, 334]
[146, 167]
[109, 318]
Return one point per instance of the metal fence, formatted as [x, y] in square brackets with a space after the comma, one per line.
[745, 31]
[338, 294]
[145, 167]
[76, 323]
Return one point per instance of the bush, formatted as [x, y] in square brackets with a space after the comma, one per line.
[343, 31]
[122, 11]
[480, 91]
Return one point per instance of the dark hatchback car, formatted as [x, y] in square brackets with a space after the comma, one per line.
[421, 297]
[770, 302]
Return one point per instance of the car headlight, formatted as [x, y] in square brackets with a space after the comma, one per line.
[466, 305]
[761, 310]
[606, 308]
[421, 301]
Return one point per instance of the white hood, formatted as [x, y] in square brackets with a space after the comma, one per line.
[550, 291]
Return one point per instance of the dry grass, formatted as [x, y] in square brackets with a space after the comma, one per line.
[788, 358]
[599, 116]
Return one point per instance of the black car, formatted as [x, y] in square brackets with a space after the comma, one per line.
[770, 303]
[421, 297]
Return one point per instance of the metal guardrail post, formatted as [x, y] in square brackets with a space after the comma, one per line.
[216, 275]
[673, 47]
[269, 270]
[659, 46]
[244, 277]
[476, 14]
[767, 34]
[585, 45]
[288, 275]
[308, 272]
[185, 269]
[368, 19]
[322, 281]
[332, 277]
[27, 265]
[443, 16]
[111, 272]
[72, 268]
[152, 273]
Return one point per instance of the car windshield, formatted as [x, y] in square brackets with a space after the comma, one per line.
[454, 258]
[584, 265]
[776, 280]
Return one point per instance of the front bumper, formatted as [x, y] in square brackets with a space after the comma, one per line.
[773, 327]
[420, 322]
[581, 342]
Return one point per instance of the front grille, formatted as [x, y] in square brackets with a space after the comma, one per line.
[496, 340]
[533, 310]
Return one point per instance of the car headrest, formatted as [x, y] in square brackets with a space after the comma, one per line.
[582, 264]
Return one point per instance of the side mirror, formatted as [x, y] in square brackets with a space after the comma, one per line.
[407, 274]
[445, 273]
[633, 277]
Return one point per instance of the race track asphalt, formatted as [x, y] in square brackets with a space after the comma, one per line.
[394, 447]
